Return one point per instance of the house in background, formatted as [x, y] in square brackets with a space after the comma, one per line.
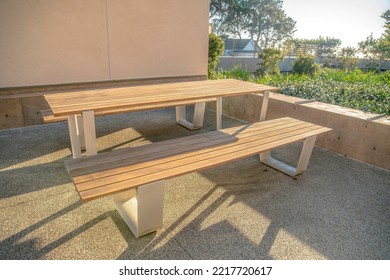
[240, 47]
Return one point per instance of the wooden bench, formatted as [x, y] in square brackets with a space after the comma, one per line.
[144, 168]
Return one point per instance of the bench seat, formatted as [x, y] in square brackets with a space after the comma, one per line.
[145, 168]
[115, 171]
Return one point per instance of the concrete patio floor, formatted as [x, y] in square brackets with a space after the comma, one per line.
[338, 209]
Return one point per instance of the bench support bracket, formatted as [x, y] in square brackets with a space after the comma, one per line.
[142, 212]
[303, 162]
[80, 128]
[197, 122]
[74, 133]
[82, 133]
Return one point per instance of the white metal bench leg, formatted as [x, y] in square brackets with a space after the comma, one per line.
[264, 106]
[89, 132]
[142, 212]
[197, 122]
[74, 136]
[303, 162]
[80, 129]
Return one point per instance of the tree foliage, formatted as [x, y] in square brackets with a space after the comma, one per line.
[264, 21]
[327, 50]
[376, 50]
[384, 43]
[226, 16]
[372, 52]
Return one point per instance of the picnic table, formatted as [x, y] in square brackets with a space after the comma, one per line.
[144, 169]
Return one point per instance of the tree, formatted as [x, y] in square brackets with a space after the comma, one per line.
[327, 50]
[384, 43]
[386, 16]
[268, 25]
[372, 52]
[227, 16]
[347, 59]
[377, 50]
[264, 21]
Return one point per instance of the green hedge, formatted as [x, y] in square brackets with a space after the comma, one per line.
[368, 92]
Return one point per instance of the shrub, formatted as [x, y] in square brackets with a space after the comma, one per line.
[216, 48]
[305, 64]
[237, 72]
[269, 62]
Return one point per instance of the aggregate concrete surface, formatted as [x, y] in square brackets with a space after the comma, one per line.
[338, 209]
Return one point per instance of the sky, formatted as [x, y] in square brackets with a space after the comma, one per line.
[351, 21]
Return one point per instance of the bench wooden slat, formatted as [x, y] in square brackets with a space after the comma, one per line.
[105, 179]
[163, 148]
[197, 157]
[120, 163]
[116, 187]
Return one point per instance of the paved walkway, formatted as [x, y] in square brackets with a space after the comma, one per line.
[338, 209]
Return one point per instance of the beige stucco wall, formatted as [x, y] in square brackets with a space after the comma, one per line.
[45, 42]
[158, 38]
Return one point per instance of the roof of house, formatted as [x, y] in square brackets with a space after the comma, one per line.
[239, 44]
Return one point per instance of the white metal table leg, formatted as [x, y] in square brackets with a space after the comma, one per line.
[74, 136]
[89, 132]
[142, 212]
[303, 162]
[264, 106]
[219, 112]
[199, 114]
[197, 122]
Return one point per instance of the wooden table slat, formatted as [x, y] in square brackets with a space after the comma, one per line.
[137, 97]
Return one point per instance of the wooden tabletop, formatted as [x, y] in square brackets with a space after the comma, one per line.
[135, 97]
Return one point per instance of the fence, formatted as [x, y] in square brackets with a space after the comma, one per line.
[252, 64]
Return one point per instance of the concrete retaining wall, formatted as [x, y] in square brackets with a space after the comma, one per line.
[353, 134]
[22, 106]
